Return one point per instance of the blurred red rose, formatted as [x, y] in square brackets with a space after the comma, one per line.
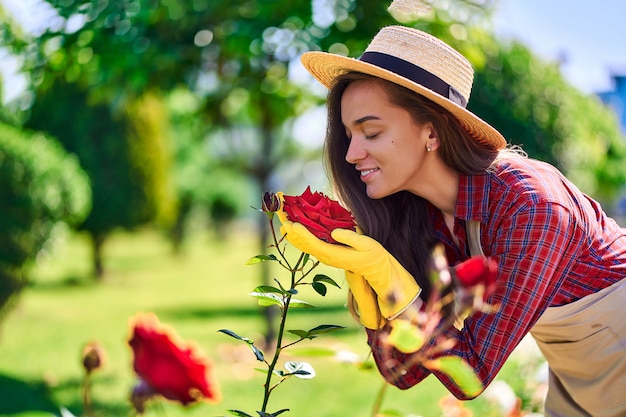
[175, 369]
[478, 270]
[318, 213]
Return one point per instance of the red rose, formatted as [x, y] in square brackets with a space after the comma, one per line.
[318, 213]
[478, 270]
[176, 370]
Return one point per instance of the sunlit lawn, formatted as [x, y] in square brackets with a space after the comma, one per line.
[199, 292]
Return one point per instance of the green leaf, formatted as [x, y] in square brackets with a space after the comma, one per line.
[367, 366]
[274, 414]
[235, 335]
[302, 370]
[295, 303]
[302, 334]
[326, 279]
[261, 258]
[239, 413]
[312, 351]
[325, 328]
[267, 288]
[268, 299]
[319, 288]
[406, 337]
[258, 353]
[459, 370]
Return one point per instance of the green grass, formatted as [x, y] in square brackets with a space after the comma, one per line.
[199, 292]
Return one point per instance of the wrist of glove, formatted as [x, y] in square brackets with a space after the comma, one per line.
[366, 300]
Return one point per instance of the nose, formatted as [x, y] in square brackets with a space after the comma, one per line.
[356, 151]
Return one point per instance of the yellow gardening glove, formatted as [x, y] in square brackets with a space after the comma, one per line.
[365, 297]
[361, 255]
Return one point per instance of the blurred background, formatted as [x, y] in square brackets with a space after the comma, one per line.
[137, 136]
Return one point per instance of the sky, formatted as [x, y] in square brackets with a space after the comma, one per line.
[590, 34]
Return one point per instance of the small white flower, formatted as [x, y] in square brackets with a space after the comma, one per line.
[501, 393]
[346, 356]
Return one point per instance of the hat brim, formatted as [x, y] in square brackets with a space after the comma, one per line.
[326, 67]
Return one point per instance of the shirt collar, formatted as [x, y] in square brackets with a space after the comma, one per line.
[472, 200]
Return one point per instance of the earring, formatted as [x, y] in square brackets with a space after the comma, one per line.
[429, 148]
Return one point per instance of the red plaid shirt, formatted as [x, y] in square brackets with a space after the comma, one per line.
[553, 245]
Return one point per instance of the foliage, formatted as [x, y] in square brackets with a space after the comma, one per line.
[123, 150]
[203, 183]
[11, 35]
[40, 370]
[41, 186]
[531, 104]
[281, 295]
[237, 57]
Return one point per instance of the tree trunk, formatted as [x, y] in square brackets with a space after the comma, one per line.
[97, 240]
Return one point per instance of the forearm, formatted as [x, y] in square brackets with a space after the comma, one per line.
[407, 370]
[391, 363]
[532, 262]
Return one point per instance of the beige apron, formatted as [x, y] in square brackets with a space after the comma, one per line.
[584, 343]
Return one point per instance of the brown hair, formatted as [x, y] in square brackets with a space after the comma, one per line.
[400, 222]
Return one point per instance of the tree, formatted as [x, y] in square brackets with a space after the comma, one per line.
[236, 56]
[531, 104]
[123, 150]
[41, 187]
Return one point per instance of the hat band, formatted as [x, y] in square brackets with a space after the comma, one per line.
[416, 74]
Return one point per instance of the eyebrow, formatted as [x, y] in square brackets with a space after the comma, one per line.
[364, 119]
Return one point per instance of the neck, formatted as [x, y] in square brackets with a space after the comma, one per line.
[441, 187]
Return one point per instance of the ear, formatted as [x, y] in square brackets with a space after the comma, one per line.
[432, 137]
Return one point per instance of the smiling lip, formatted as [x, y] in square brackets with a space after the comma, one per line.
[367, 173]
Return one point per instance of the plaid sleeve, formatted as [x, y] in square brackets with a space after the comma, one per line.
[391, 362]
[534, 247]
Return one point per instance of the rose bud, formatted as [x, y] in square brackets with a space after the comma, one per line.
[476, 271]
[318, 213]
[93, 357]
[271, 203]
[142, 392]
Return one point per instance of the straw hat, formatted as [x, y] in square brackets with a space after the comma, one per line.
[419, 62]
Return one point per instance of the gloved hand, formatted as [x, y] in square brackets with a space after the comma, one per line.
[365, 297]
[361, 255]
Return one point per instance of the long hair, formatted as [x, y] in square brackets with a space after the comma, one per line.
[401, 221]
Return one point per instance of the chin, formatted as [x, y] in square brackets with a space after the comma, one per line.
[375, 195]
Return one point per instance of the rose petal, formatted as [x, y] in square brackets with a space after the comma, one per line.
[318, 213]
[478, 270]
[177, 370]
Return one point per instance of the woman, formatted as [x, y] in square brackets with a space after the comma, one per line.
[415, 167]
